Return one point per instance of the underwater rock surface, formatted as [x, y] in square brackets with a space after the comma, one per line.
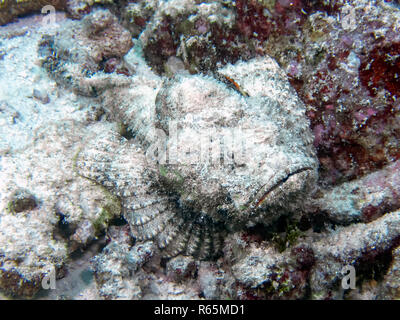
[189, 164]
[179, 191]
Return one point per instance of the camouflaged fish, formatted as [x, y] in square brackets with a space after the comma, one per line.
[216, 160]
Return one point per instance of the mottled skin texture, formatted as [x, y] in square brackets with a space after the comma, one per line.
[184, 190]
[80, 56]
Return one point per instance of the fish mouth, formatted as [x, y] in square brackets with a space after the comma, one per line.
[289, 183]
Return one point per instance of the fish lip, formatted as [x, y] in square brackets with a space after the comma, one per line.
[258, 199]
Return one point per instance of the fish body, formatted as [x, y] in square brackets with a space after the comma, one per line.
[11, 9]
[206, 159]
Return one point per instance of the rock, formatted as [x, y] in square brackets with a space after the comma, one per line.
[389, 289]
[59, 194]
[355, 245]
[114, 270]
[8, 114]
[11, 9]
[120, 234]
[264, 273]
[136, 14]
[313, 267]
[139, 255]
[365, 199]
[213, 197]
[339, 70]
[208, 283]
[203, 35]
[28, 252]
[46, 210]
[41, 95]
